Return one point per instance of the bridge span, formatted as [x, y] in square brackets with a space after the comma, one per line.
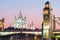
[28, 32]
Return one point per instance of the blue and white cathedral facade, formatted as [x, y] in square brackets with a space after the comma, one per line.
[20, 22]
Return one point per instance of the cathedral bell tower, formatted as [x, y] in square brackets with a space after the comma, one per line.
[46, 27]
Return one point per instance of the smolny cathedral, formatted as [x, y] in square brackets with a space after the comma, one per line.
[20, 22]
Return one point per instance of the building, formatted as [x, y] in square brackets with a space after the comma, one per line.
[20, 22]
[32, 26]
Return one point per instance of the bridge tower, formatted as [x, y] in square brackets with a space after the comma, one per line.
[46, 25]
[2, 24]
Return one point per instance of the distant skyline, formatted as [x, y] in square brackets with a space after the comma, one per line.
[32, 9]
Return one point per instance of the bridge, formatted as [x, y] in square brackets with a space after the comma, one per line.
[9, 33]
[48, 26]
[18, 35]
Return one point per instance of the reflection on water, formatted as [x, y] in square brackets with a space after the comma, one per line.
[28, 38]
[32, 39]
[35, 37]
[20, 37]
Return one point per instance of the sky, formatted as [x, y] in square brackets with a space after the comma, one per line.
[32, 9]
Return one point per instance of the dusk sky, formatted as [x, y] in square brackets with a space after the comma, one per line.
[32, 9]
